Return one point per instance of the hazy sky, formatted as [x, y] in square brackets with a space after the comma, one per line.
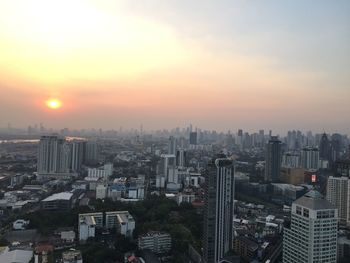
[217, 64]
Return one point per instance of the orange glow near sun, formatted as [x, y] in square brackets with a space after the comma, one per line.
[53, 104]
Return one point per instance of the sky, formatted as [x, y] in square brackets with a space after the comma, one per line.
[219, 65]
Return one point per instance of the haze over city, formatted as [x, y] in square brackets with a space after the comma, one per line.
[254, 64]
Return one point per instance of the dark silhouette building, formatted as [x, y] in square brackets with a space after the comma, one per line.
[219, 209]
[273, 159]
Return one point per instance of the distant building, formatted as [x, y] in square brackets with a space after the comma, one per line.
[219, 210]
[291, 160]
[53, 155]
[91, 152]
[325, 147]
[292, 175]
[193, 138]
[157, 242]
[310, 158]
[77, 155]
[273, 160]
[312, 236]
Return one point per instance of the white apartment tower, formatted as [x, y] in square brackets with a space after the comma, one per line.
[312, 236]
[53, 155]
[338, 193]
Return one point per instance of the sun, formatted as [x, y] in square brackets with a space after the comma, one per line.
[53, 104]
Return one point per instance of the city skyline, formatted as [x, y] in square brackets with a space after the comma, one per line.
[281, 65]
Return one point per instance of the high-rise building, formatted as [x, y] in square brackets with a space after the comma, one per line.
[50, 152]
[338, 193]
[310, 158]
[172, 145]
[312, 236]
[219, 210]
[273, 160]
[324, 147]
[91, 153]
[193, 138]
[181, 158]
[77, 155]
[291, 160]
[172, 149]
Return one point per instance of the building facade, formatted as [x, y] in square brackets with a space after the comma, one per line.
[219, 210]
[338, 193]
[273, 160]
[312, 236]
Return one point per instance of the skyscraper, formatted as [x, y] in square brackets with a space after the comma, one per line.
[273, 160]
[324, 147]
[193, 138]
[310, 158]
[312, 236]
[53, 155]
[338, 193]
[219, 209]
[91, 153]
[77, 155]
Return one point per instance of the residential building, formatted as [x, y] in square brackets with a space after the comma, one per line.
[157, 242]
[338, 193]
[219, 210]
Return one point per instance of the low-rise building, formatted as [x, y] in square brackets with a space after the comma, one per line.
[59, 201]
[72, 256]
[157, 242]
[122, 221]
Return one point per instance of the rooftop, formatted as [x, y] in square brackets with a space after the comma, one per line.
[59, 196]
[314, 200]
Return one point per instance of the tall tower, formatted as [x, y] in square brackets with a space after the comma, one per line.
[312, 236]
[273, 160]
[324, 147]
[77, 155]
[338, 193]
[50, 154]
[310, 158]
[219, 210]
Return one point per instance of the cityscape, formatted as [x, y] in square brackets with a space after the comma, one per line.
[174, 131]
[180, 195]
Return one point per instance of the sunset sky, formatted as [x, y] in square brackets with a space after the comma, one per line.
[216, 64]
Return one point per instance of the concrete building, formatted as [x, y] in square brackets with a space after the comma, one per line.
[53, 155]
[219, 210]
[87, 226]
[157, 242]
[312, 236]
[16, 256]
[122, 221]
[273, 160]
[310, 158]
[91, 152]
[59, 201]
[292, 175]
[338, 193]
[72, 256]
[291, 160]
[77, 155]
[101, 191]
